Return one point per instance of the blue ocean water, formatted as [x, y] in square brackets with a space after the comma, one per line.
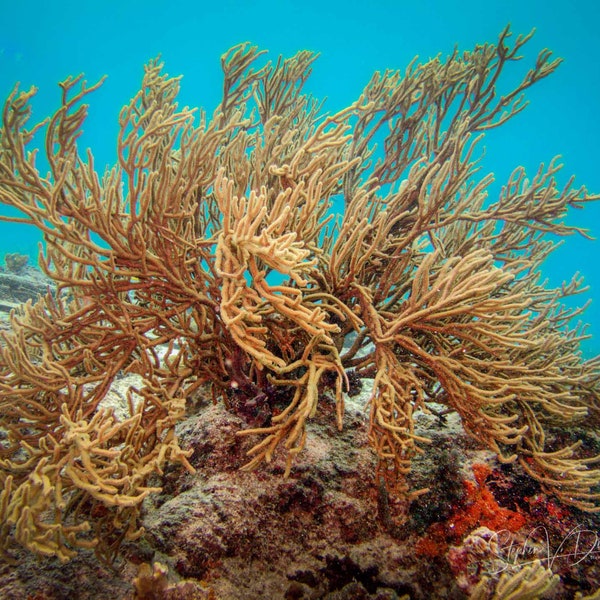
[41, 42]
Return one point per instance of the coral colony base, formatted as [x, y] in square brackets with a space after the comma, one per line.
[207, 261]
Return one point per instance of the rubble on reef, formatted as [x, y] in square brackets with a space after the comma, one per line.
[18, 283]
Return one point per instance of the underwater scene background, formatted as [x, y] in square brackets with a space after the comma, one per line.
[41, 43]
[228, 395]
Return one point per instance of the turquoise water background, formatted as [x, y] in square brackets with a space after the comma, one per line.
[42, 42]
